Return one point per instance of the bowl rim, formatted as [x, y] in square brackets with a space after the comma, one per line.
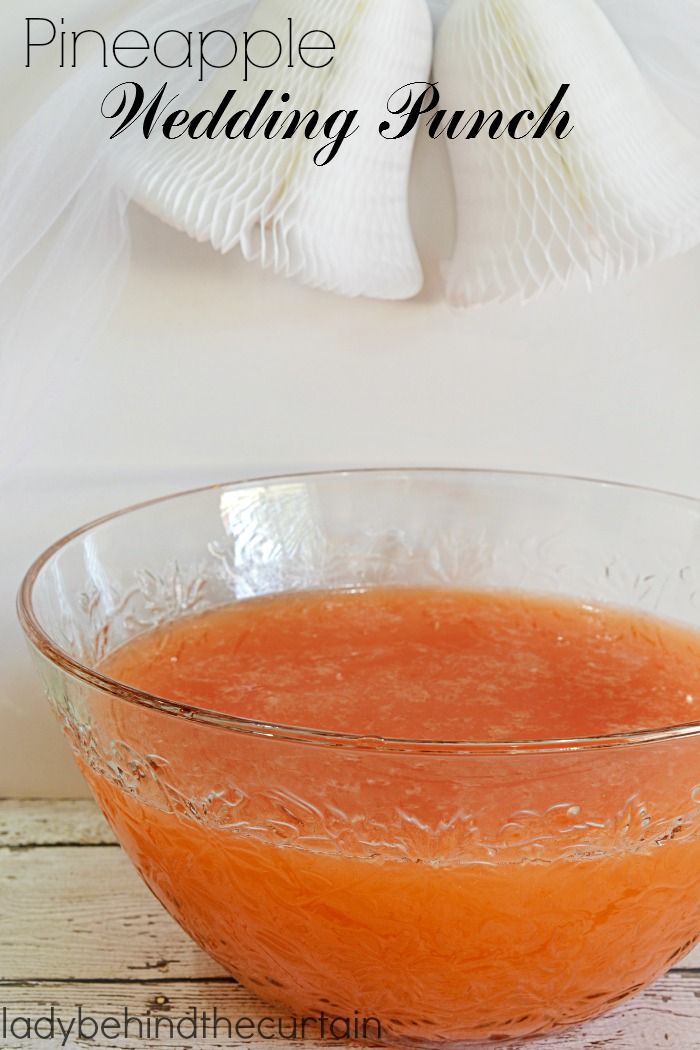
[54, 654]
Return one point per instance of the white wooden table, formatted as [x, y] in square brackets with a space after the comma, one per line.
[77, 927]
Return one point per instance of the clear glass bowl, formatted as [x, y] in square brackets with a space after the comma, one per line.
[552, 879]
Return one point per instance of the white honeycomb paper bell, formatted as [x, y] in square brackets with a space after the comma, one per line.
[344, 226]
[622, 190]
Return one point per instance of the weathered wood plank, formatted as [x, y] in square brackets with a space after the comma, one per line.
[74, 913]
[666, 1016]
[34, 822]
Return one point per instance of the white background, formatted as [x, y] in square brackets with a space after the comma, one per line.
[210, 370]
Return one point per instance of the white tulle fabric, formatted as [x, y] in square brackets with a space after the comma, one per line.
[64, 222]
[664, 40]
[625, 190]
